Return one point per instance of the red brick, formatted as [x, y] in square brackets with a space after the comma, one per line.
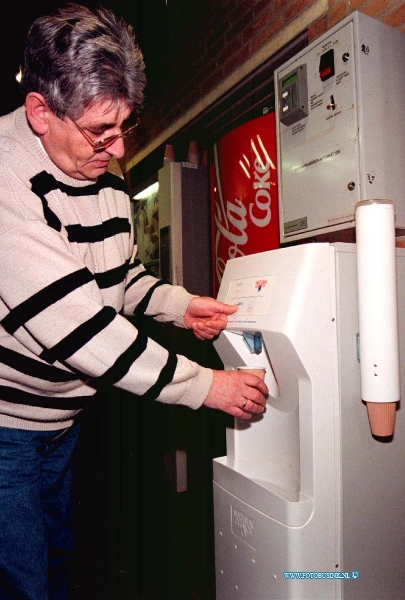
[339, 12]
[377, 7]
[317, 29]
[397, 17]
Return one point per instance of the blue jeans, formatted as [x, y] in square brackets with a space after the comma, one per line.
[36, 529]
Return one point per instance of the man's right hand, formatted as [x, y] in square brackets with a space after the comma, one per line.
[237, 393]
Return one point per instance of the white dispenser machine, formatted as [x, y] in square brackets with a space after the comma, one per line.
[308, 504]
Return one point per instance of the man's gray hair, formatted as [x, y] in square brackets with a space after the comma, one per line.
[78, 56]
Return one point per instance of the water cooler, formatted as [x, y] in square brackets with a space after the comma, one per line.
[308, 503]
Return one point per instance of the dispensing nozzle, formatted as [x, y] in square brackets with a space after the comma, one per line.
[254, 341]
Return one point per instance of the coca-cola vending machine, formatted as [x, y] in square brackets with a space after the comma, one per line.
[244, 193]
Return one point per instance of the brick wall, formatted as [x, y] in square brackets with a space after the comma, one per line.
[206, 41]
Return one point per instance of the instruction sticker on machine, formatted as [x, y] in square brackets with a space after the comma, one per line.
[252, 295]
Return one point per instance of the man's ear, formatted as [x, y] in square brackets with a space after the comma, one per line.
[38, 112]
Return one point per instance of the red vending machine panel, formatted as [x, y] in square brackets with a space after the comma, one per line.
[244, 193]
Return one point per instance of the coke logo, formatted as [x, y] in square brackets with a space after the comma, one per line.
[245, 200]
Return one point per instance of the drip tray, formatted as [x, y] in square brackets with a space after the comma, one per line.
[276, 494]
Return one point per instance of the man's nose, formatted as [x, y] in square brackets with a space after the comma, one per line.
[117, 148]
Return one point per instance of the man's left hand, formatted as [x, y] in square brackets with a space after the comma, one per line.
[207, 317]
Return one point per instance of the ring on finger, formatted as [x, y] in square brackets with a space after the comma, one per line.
[244, 404]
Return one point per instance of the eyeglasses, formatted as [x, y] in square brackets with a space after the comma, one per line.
[106, 142]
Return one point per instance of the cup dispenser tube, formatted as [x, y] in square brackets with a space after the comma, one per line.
[378, 313]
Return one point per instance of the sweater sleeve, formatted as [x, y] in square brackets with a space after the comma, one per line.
[62, 298]
[160, 300]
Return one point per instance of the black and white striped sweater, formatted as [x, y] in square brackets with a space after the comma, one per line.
[68, 280]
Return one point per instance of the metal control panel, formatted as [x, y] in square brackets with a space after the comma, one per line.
[340, 107]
